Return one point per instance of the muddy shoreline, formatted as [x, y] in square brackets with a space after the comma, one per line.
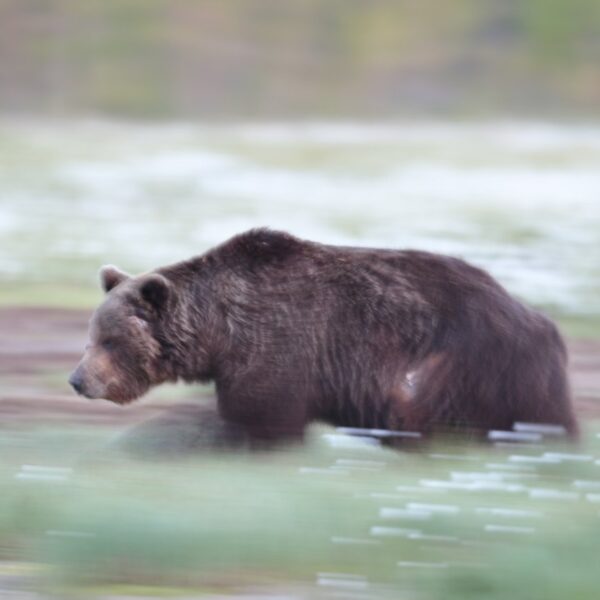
[39, 346]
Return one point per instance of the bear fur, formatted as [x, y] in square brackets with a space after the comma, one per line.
[293, 331]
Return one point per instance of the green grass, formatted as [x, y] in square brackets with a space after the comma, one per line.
[48, 295]
[580, 326]
[277, 520]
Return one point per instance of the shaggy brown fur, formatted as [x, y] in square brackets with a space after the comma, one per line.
[293, 331]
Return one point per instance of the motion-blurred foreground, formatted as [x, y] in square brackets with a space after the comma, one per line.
[98, 501]
[340, 519]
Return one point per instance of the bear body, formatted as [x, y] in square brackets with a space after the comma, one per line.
[293, 331]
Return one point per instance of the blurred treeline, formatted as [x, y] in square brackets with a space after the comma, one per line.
[281, 58]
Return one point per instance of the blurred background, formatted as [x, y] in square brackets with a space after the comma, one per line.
[141, 132]
[271, 59]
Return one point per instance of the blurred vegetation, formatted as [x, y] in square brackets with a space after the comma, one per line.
[257, 58]
[451, 521]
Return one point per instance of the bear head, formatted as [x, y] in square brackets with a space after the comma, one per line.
[122, 359]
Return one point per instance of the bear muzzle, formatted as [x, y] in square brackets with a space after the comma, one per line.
[76, 382]
[86, 386]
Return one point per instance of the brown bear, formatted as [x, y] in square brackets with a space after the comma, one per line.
[293, 331]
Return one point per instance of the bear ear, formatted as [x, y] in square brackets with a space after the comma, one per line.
[155, 290]
[110, 277]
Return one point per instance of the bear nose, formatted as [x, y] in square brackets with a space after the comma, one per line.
[76, 382]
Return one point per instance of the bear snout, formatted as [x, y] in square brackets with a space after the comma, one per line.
[85, 385]
[76, 381]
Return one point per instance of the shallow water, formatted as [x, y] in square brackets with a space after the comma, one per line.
[521, 199]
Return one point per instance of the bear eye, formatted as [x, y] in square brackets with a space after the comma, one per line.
[107, 344]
